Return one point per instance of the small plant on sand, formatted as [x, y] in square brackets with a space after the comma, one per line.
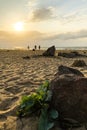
[38, 103]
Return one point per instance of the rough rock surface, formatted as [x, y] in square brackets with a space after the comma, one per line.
[67, 70]
[26, 57]
[50, 51]
[79, 63]
[72, 54]
[70, 95]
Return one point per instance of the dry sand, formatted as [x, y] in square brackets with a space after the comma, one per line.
[19, 77]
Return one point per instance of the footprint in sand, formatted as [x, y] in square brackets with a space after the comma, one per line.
[3, 118]
[7, 103]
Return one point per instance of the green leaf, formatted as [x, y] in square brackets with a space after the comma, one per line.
[46, 85]
[43, 87]
[43, 120]
[44, 123]
[39, 101]
[24, 99]
[50, 125]
[53, 114]
[49, 95]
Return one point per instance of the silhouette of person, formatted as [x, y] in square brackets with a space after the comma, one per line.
[39, 47]
[35, 47]
[28, 47]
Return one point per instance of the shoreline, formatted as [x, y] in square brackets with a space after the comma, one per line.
[77, 48]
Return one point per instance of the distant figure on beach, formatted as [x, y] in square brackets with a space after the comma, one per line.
[28, 47]
[35, 47]
[39, 47]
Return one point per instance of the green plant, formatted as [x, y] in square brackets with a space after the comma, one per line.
[39, 103]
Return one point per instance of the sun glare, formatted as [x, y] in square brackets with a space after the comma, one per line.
[19, 26]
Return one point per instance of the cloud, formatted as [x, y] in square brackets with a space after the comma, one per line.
[42, 14]
[84, 0]
[35, 35]
[12, 40]
[32, 3]
[15, 37]
[67, 36]
[75, 16]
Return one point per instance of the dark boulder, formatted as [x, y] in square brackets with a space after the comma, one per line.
[50, 51]
[75, 52]
[26, 57]
[68, 70]
[79, 63]
[69, 54]
[70, 94]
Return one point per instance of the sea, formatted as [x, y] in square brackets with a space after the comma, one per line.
[45, 48]
[68, 48]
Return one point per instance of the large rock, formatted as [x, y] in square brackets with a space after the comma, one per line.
[72, 54]
[70, 94]
[50, 51]
[79, 63]
[68, 70]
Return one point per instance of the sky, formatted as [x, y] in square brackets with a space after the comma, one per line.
[62, 23]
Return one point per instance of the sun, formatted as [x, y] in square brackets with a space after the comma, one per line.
[19, 26]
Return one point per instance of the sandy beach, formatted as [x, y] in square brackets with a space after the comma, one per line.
[20, 77]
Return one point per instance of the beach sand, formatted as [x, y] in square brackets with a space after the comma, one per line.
[20, 77]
